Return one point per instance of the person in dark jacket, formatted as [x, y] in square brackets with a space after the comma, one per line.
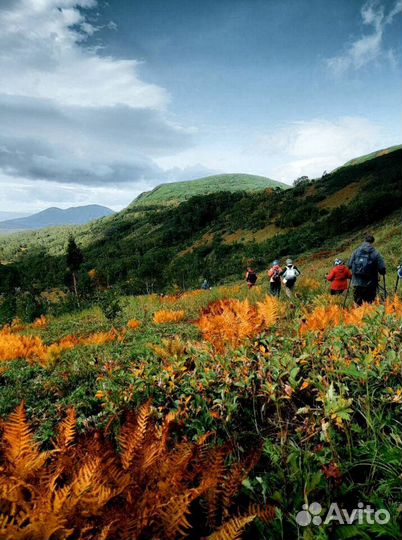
[251, 277]
[339, 276]
[366, 263]
[205, 285]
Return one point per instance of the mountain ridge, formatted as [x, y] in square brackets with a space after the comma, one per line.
[54, 216]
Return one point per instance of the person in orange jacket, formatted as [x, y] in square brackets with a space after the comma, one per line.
[274, 274]
[338, 277]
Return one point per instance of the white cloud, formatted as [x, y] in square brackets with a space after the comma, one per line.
[29, 196]
[309, 148]
[69, 115]
[43, 55]
[286, 152]
[369, 47]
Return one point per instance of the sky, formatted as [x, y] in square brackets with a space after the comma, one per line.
[100, 101]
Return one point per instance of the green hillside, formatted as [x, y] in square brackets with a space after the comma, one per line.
[144, 248]
[372, 155]
[175, 192]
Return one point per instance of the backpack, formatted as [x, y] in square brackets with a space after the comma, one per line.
[291, 273]
[363, 264]
[276, 276]
[252, 277]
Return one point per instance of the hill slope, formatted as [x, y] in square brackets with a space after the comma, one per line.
[372, 155]
[153, 248]
[175, 192]
[56, 216]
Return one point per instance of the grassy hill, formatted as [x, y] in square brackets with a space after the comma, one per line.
[176, 192]
[372, 155]
[148, 248]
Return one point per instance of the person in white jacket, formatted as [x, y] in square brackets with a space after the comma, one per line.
[289, 277]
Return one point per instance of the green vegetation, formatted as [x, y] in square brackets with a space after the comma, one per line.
[145, 249]
[176, 192]
[321, 399]
[315, 386]
[373, 155]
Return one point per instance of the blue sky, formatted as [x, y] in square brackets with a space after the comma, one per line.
[102, 100]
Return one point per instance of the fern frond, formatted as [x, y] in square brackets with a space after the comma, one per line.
[264, 513]
[232, 529]
[215, 471]
[230, 486]
[268, 311]
[175, 514]
[20, 450]
[66, 429]
[133, 434]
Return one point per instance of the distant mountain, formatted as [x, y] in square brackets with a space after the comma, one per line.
[176, 192]
[52, 217]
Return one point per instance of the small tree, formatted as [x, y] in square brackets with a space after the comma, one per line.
[75, 259]
[301, 180]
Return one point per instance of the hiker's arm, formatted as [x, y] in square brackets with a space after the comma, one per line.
[381, 265]
[297, 270]
[331, 276]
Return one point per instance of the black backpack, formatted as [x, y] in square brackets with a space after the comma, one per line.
[276, 277]
[363, 264]
[252, 277]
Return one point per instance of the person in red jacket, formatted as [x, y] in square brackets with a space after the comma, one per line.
[338, 277]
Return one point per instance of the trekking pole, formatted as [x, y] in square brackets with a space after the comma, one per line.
[346, 296]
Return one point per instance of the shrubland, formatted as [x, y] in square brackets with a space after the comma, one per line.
[295, 401]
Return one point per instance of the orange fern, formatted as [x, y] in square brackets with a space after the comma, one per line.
[168, 316]
[85, 490]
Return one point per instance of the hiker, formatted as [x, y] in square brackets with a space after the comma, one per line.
[339, 276]
[289, 277]
[366, 263]
[398, 277]
[274, 274]
[251, 277]
[205, 285]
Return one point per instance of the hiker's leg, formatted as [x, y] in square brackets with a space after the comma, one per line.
[288, 292]
[370, 294]
[358, 295]
[274, 289]
[336, 293]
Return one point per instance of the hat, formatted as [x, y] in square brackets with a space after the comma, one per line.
[275, 263]
[338, 262]
[289, 261]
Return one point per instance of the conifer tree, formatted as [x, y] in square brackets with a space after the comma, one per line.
[75, 258]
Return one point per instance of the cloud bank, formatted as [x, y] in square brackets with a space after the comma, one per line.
[70, 115]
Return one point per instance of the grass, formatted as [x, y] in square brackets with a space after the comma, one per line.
[372, 155]
[175, 192]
